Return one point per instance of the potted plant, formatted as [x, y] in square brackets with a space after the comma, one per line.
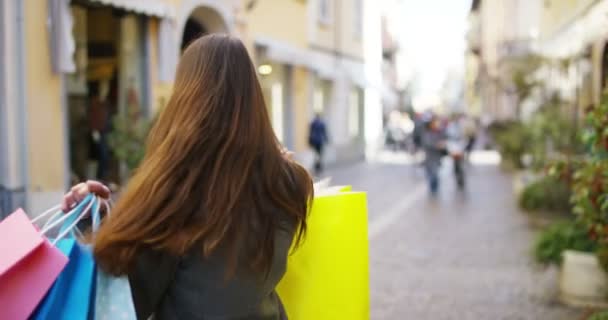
[546, 200]
[128, 137]
[559, 237]
[583, 279]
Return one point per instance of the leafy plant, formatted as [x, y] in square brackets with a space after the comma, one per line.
[559, 237]
[128, 136]
[127, 139]
[551, 135]
[522, 69]
[601, 315]
[546, 194]
[590, 180]
[511, 138]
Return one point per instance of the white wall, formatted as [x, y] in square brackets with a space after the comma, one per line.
[372, 51]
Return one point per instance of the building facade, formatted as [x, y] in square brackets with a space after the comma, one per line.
[62, 52]
[62, 55]
[575, 32]
[499, 32]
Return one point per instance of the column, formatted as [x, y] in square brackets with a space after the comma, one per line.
[12, 123]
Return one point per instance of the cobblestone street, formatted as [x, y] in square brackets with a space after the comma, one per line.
[465, 255]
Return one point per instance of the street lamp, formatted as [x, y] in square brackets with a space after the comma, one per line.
[265, 69]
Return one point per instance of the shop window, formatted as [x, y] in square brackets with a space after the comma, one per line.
[318, 105]
[321, 95]
[277, 110]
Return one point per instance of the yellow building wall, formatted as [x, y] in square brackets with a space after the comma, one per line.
[281, 20]
[339, 34]
[46, 127]
[351, 40]
[286, 21]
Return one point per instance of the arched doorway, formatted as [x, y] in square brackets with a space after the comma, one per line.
[203, 20]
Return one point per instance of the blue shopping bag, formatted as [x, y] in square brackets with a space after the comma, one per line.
[113, 299]
[70, 297]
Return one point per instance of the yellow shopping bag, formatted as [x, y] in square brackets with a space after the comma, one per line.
[328, 276]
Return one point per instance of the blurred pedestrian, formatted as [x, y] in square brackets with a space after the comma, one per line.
[317, 139]
[434, 144]
[99, 124]
[456, 145]
[470, 132]
[419, 127]
[204, 227]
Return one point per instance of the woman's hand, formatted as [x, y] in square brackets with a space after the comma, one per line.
[81, 190]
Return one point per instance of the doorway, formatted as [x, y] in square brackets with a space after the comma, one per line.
[110, 79]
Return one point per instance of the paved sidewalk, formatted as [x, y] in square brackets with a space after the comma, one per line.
[461, 256]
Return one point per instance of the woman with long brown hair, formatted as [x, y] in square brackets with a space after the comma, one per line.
[204, 226]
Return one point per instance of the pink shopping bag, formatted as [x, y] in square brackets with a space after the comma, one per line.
[29, 265]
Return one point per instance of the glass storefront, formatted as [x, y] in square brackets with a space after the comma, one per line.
[111, 77]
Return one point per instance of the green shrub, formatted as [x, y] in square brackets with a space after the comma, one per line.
[590, 179]
[511, 138]
[547, 134]
[546, 194]
[557, 238]
[601, 315]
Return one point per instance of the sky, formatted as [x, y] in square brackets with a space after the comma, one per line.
[432, 40]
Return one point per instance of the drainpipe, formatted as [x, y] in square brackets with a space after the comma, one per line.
[22, 101]
[13, 193]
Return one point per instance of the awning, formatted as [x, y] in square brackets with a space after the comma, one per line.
[283, 52]
[325, 65]
[156, 8]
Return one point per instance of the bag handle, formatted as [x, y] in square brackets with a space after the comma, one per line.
[59, 216]
[96, 214]
[92, 203]
[47, 212]
[59, 213]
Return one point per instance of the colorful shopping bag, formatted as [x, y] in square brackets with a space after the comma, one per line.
[29, 265]
[69, 298]
[113, 299]
[327, 277]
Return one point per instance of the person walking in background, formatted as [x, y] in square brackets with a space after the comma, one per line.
[434, 144]
[204, 227]
[417, 133]
[99, 124]
[456, 146]
[317, 139]
[470, 132]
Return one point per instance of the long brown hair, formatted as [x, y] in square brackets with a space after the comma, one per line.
[213, 175]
